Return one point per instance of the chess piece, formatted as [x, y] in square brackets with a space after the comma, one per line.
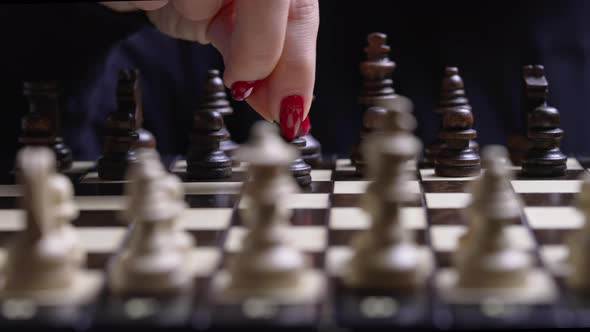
[41, 125]
[579, 243]
[544, 158]
[456, 158]
[486, 258]
[311, 152]
[215, 98]
[145, 139]
[157, 258]
[205, 158]
[452, 95]
[120, 133]
[300, 170]
[372, 123]
[535, 89]
[44, 262]
[377, 84]
[385, 255]
[267, 265]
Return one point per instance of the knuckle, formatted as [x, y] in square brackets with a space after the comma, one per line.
[303, 9]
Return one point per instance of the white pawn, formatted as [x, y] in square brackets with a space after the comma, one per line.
[268, 265]
[486, 258]
[579, 244]
[157, 258]
[45, 260]
[385, 255]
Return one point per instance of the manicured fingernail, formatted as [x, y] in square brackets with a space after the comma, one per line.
[305, 126]
[290, 116]
[241, 90]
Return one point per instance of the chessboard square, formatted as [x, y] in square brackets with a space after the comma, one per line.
[206, 219]
[100, 202]
[12, 220]
[305, 238]
[101, 239]
[446, 237]
[321, 175]
[427, 174]
[205, 260]
[447, 200]
[10, 190]
[81, 165]
[562, 217]
[344, 165]
[211, 188]
[555, 258]
[300, 201]
[546, 186]
[573, 164]
[351, 218]
[92, 177]
[360, 187]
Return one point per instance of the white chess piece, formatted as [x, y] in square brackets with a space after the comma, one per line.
[579, 243]
[486, 258]
[157, 257]
[385, 255]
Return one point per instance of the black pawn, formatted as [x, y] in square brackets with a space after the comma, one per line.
[377, 85]
[544, 158]
[145, 139]
[456, 158]
[372, 122]
[205, 159]
[216, 99]
[41, 125]
[312, 151]
[120, 137]
[301, 171]
[452, 95]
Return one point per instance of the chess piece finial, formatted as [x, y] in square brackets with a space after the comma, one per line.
[157, 259]
[41, 125]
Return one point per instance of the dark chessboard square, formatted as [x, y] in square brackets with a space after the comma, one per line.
[353, 200]
[548, 199]
[315, 259]
[346, 175]
[319, 187]
[235, 177]
[445, 186]
[551, 236]
[570, 174]
[299, 217]
[446, 216]
[207, 238]
[8, 203]
[211, 201]
[99, 218]
[99, 188]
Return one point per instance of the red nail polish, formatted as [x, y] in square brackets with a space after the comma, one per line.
[290, 116]
[305, 126]
[241, 90]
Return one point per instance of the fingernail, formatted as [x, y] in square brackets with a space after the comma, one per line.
[290, 116]
[241, 90]
[305, 125]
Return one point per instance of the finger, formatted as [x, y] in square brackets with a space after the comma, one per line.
[149, 5]
[169, 21]
[197, 10]
[290, 86]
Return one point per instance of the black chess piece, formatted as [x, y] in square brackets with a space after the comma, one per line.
[205, 158]
[377, 84]
[312, 151]
[41, 125]
[145, 138]
[456, 158]
[120, 133]
[544, 158]
[452, 95]
[372, 122]
[215, 98]
[299, 168]
[535, 89]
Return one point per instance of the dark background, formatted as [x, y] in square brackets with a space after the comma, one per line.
[84, 45]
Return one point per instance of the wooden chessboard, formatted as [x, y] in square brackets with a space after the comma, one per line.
[325, 218]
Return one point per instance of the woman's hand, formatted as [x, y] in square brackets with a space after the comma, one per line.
[268, 46]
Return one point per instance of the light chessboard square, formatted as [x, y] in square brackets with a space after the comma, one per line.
[346, 218]
[10, 190]
[206, 219]
[321, 175]
[92, 177]
[102, 203]
[299, 201]
[305, 238]
[559, 217]
[427, 174]
[555, 258]
[211, 188]
[445, 238]
[573, 164]
[546, 186]
[101, 239]
[447, 200]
